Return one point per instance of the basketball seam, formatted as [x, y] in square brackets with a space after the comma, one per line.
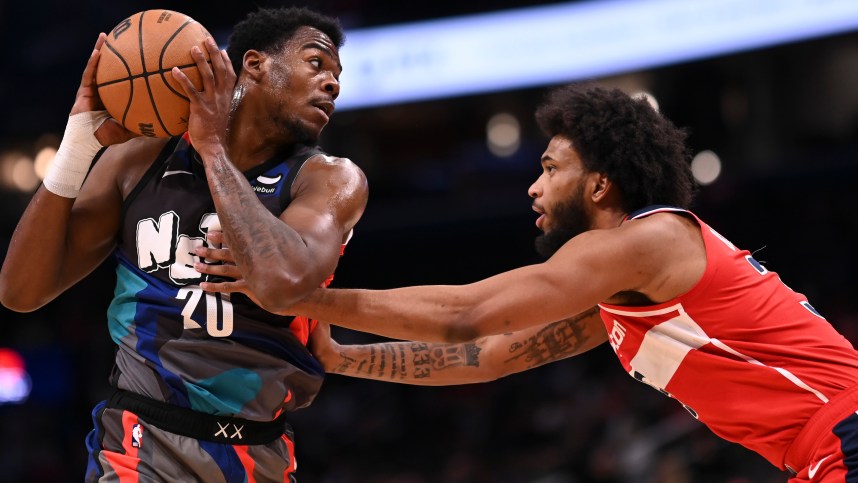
[161, 60]
[146, 78]
[144, 74]
[131, 89]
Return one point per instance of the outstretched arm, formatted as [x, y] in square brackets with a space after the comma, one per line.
[485, 359]
[658, 257]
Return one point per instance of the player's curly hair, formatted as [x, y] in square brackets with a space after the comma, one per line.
[638, 149]
[267, 29]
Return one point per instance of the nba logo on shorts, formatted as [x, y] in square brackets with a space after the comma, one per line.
[136, 436]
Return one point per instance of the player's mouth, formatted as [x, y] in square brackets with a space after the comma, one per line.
[327, 108]
[541, 220]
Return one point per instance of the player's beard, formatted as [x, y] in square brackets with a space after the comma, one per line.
[571, 220]
[290, 122]
[302, 133]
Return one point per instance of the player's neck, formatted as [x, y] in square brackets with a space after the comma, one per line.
[607, 218]
[253, 138]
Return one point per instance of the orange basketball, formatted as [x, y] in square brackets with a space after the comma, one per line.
[134, 77]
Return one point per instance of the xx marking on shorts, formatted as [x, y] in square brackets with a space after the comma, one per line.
[223, 428]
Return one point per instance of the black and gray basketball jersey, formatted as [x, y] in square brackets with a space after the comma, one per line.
[208, 352]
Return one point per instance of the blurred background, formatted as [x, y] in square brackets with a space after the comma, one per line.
[437, 108]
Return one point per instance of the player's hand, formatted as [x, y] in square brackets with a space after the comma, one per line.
[323, 347]
[210, 106]
[110, 131]
[226, 269]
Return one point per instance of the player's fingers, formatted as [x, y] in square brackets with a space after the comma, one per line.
[229, 69]
[228, 271]
[185, 83]
[99, 42]
[205, 70]
[215, 236]
[217, 254]
[223, 287]
[218, 69]
[88, 77]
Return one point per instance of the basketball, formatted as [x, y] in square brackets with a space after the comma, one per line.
[134, 78]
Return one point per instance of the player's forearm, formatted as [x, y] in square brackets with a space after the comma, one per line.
[428, 313]
[417, 363]
[485, 359]
[269, 252]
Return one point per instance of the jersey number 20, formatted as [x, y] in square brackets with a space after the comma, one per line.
[216, 326]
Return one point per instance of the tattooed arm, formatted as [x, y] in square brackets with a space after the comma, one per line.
[482, 360]
[280, 259]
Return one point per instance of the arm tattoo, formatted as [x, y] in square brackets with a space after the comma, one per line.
[345, 363]
[251, 237]
[553, 342]
[423, 358]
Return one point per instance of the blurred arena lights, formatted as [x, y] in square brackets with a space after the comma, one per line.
[425, 60]
[44, 158]
[503, 135]
[706, 167]
[15, 383]
[21, 171]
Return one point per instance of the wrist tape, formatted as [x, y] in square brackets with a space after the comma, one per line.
[75, 154]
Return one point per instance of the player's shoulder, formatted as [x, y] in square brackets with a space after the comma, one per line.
[329, 161]
[331, 169]
[127, 162]
[661, 224]
[139, 148]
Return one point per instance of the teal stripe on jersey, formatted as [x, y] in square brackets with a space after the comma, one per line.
[234, 388]
[120, 314]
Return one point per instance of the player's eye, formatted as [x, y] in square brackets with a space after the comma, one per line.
[317, 62]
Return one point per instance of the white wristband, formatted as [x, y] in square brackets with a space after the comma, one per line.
[75, 154]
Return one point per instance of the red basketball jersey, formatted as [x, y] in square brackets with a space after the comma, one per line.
[745, 354]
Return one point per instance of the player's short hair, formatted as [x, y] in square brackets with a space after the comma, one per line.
[268, 29]
[624, 138]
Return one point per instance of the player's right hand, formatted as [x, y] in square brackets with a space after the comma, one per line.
[110, 131]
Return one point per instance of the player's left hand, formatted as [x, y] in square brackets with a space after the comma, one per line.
[210, 106]
[227, 269]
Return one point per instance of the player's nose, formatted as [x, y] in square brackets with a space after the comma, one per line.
[331, 85]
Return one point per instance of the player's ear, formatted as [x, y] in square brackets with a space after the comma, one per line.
[602, 186]
[253, 64]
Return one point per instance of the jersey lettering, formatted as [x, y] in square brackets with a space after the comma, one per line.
[618, 333]
[156, 241]
[160, 245]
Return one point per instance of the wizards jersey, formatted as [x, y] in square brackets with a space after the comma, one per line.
[745, 354]
[208, 352]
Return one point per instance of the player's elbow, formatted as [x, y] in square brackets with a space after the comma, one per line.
[464, 327]
[16, 301]
[279, 295]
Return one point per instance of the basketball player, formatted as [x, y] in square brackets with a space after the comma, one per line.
[203, 382]
[685, 310]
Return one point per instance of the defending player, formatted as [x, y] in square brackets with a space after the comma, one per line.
[685, 310]
[204, 382]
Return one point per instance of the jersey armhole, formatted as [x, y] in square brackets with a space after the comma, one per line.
[294, 170]
[159, 161]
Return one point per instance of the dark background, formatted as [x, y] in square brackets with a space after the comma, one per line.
[442, 209]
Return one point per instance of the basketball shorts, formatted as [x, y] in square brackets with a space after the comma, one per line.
[131, 444]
